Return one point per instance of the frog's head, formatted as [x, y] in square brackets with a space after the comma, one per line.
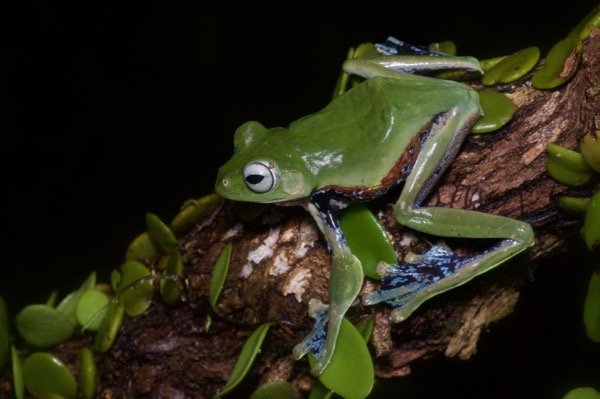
[261, 169]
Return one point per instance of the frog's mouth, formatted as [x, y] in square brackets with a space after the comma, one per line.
[227, 188]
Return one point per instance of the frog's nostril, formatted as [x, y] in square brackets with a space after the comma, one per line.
[225, 182]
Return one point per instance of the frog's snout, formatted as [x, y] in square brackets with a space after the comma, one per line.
[221, 185]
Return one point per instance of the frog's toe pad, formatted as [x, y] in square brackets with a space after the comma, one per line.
[314, 342]
[403, 282]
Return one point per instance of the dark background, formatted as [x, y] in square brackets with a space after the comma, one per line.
[108, 112]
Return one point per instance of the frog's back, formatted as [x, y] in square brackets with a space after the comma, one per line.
[367, 139]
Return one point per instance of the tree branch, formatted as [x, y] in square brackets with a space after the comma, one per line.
[188, 349]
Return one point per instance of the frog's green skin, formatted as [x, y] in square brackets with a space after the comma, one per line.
[394, 127]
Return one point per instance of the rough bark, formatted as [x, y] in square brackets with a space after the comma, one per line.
[171, 351]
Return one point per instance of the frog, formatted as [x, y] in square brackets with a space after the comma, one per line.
[400, 127]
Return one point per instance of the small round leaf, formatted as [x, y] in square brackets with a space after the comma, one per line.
[367, 239]
[43, 326]
[68, 305]
[567, 166]
[46, 374]
[590, 150]
[498, 110]
[350, 373]
[193, 212]
[561, 63]
[512, 67]
[142, 248]
[135, 288]
[582, 393]
[90, 307]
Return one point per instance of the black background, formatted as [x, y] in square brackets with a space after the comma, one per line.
[110, 111]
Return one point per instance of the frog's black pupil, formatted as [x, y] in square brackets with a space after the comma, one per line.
[254, 179]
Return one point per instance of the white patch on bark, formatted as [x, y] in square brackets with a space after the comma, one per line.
[297, 283]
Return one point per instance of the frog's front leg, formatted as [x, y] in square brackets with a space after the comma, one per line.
[345, 281]
[407, 286]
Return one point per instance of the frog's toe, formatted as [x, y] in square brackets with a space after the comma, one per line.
[314, 342]
[405, 286]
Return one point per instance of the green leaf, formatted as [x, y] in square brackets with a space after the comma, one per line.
[446, 47]
[366, 328]
[109, 328]
[589, 22]
[219, 275]
[4, 337]
[161, 234]
[512, 67]
[52, 298]
[246, 358]
[590, 150]
[142, 249]
[87, 373]
[561, 63]
[498, 110]
[17, 370]
[115, 280]
[582, 393]
[573, 205]
[567, 166]
[135, 289]
[350, 373]
[171, 285]
[46, 374]
[43, 326]
[591, 225]
[68, 305]
[591, 309]
[366, 238]
[320, 391]
[193, 212]
[89, 309]
[274, 390]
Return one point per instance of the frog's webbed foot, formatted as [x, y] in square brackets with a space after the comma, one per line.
[314, 342]
[406, 286]
[344, 285]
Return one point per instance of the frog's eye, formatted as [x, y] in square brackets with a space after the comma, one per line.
[260, 177]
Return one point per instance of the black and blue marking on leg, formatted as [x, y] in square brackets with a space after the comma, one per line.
[314, 342]
[402, 284]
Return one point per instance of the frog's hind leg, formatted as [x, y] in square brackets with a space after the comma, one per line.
[345, 282]
[406, 286]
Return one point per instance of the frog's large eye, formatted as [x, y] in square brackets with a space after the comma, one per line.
[260, 177]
